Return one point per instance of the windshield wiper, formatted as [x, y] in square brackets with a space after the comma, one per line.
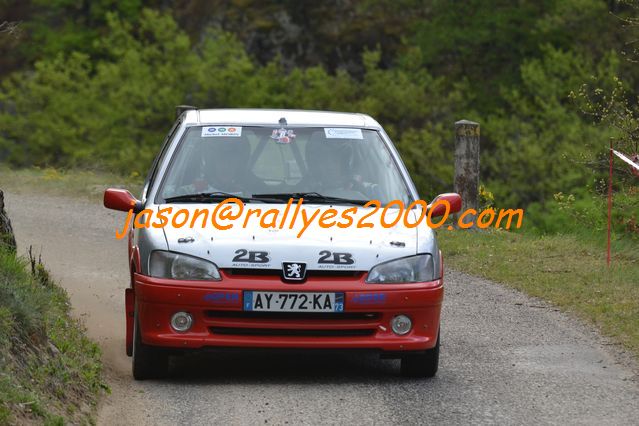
[212, 197]
[309, 196]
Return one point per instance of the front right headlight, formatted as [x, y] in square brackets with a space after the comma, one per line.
[166, 264]
[412, 269]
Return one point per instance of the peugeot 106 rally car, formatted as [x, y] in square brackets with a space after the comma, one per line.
[273, 269]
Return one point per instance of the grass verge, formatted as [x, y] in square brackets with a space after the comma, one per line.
[568, 270]
[74, 183]
[50, 372]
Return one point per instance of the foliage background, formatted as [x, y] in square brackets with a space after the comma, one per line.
[93, 84]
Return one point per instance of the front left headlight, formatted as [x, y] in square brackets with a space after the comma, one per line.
[166, 264]
[412, 269]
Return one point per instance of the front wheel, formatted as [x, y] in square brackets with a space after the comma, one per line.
[148, 362]
[423, 364]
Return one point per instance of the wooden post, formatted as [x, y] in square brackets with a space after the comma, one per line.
[467, 164]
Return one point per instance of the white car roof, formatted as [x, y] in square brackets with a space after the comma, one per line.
[271, 117]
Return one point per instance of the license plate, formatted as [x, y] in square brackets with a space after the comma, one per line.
[275, 301]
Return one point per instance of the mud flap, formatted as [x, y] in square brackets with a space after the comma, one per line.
[129, 299]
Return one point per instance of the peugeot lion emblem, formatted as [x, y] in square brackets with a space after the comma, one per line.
[294, 271]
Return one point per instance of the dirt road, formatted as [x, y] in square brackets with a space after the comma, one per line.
[506, 358]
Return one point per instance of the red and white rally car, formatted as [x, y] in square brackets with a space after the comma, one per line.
[269, 281]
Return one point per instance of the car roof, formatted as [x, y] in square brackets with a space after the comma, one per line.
[271, 117]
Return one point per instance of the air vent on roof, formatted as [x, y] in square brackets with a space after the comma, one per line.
[181, 108]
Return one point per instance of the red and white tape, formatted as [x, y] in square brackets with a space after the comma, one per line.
[626, 159]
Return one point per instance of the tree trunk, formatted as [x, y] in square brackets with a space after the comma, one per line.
[7, 239]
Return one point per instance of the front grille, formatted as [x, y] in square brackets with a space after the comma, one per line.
[341, 316]
[278, 272]
[240, 331]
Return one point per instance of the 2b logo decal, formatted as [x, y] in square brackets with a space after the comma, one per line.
[243, 255]
[335, 258]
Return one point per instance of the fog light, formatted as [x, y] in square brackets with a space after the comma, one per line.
[401, 324]
[181, 321]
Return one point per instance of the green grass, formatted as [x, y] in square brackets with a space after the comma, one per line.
[568, 270]
[74, 183]
[50, 372]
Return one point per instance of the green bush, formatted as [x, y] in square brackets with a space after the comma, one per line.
[113, 111]
[110, 106]
[587, 215]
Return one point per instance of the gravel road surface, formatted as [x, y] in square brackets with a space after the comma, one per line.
[505, 358]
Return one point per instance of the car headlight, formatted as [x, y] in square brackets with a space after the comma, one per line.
[165, 264]
[413, 269]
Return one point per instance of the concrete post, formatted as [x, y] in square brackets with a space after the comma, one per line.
[467, 163]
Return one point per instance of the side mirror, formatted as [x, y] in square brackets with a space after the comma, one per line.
[122, 200]
[453, 199]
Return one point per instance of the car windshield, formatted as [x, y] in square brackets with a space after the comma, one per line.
[329, 164]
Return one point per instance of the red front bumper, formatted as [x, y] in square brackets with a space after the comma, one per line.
[219, 320]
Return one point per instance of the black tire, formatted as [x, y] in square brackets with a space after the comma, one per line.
[424, 364]
[148, 362]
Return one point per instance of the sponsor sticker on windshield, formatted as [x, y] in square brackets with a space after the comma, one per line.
[212, 131]
[343, 133]
[283, 136]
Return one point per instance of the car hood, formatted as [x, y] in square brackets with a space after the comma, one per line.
[333, 248]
